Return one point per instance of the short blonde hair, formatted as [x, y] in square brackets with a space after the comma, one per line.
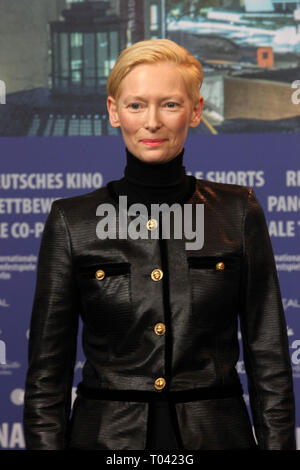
[152, 51]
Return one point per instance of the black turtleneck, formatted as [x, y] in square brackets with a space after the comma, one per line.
[149, 183]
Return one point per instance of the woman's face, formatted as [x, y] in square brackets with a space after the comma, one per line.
[154, 111]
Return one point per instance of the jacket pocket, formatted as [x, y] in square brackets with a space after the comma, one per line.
[214, 284]
[108, 425]
[230, 428]
[109, 269]
[106, 296]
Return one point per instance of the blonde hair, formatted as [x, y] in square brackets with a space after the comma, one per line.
[152, 51]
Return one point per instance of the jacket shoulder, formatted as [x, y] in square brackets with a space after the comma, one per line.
[222, 191]
[225, 188]
[83, 202]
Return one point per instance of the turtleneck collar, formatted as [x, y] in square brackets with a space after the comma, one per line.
[153, 183]
[155, 175]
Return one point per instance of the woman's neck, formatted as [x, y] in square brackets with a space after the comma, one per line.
[153, 183]
[155, 175]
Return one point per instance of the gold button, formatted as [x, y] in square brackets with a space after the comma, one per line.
[160, 329]
[152, 224]
[100, 274]
[160, 383]
[220, 266]
[156, 274]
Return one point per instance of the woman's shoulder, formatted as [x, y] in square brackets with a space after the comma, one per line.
[223, 189]
[82, 203]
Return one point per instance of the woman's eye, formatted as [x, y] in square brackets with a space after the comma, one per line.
[171, 104]
[137, 106]
[134, 106]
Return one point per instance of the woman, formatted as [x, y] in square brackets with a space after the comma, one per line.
[159, 315]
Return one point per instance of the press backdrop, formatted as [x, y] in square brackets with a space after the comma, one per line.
[36, 171]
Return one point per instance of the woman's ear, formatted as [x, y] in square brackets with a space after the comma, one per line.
[112, 111]
[197, 113]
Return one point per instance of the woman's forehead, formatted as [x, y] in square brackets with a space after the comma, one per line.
[162, 66]
[147, 78]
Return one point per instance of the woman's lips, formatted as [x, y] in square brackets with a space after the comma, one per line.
[153, 142]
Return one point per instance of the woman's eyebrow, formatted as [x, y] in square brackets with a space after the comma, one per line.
[134, 97]
[143, 98]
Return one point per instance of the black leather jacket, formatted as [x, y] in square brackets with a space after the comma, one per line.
[199, 306]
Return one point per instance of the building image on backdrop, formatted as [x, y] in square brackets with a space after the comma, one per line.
[56, 85]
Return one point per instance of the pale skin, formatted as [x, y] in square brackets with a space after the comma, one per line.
[154, 111]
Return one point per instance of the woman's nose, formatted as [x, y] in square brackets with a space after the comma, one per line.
[152, 120]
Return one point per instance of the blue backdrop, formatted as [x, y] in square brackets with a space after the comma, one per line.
[35, 171]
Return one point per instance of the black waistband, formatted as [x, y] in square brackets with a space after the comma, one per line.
[149, 396]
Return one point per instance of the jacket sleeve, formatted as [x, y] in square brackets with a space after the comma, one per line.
[52, 340]
[264, 335]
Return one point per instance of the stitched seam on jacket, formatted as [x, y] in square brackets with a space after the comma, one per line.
[68, 388]
[62, 214]
[245, 341]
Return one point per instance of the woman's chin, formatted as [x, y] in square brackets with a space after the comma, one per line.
[155, 156]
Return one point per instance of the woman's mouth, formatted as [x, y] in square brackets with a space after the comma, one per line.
[153, 142]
